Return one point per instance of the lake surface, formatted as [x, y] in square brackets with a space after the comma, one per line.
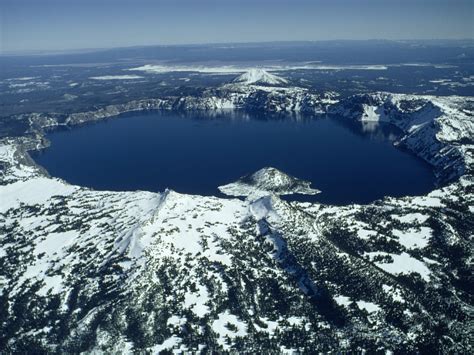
[195, 154]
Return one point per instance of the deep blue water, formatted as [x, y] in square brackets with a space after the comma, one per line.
[190, 154]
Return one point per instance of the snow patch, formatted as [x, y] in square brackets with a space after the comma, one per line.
[368, 306]
[402, 264]
[413, 238]
[228, 325]
[31, 192]
[196, 301]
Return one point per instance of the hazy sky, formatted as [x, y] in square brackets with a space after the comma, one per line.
[70, 24]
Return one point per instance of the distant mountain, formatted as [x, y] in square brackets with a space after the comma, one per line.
[259, 76]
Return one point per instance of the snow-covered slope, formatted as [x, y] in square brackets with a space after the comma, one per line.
[259, 76]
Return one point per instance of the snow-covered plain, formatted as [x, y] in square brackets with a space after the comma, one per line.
[116, 77]
[237, 69]
[228, 69]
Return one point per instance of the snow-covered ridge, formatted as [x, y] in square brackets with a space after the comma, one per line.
[249, 98]
[268, 181]
[439, 130]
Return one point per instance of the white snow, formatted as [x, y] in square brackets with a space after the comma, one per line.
[116, 77]
[181, 229]
[169, 343]
[437, 66]
[288, 351]
[52, 243]
[236, 69]
[413, 237]
[7, 152]
[270, 328]
[259, 76]
[343, 300]
[176, 321]
[368, 306]
[196, 301]
[411, 218]
[402, 264]
[219, 326]
[366, 233]
[427, 201]
[28, 85]
[160, 69]
[25, 78]
[295, 320]
[440, 81]
[52, 284]
[33, 191]
[344, 67]
[395, 293]
[262, 208]
[49, 247]
[373, 114]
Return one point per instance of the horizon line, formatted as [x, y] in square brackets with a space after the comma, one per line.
[40, 52]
